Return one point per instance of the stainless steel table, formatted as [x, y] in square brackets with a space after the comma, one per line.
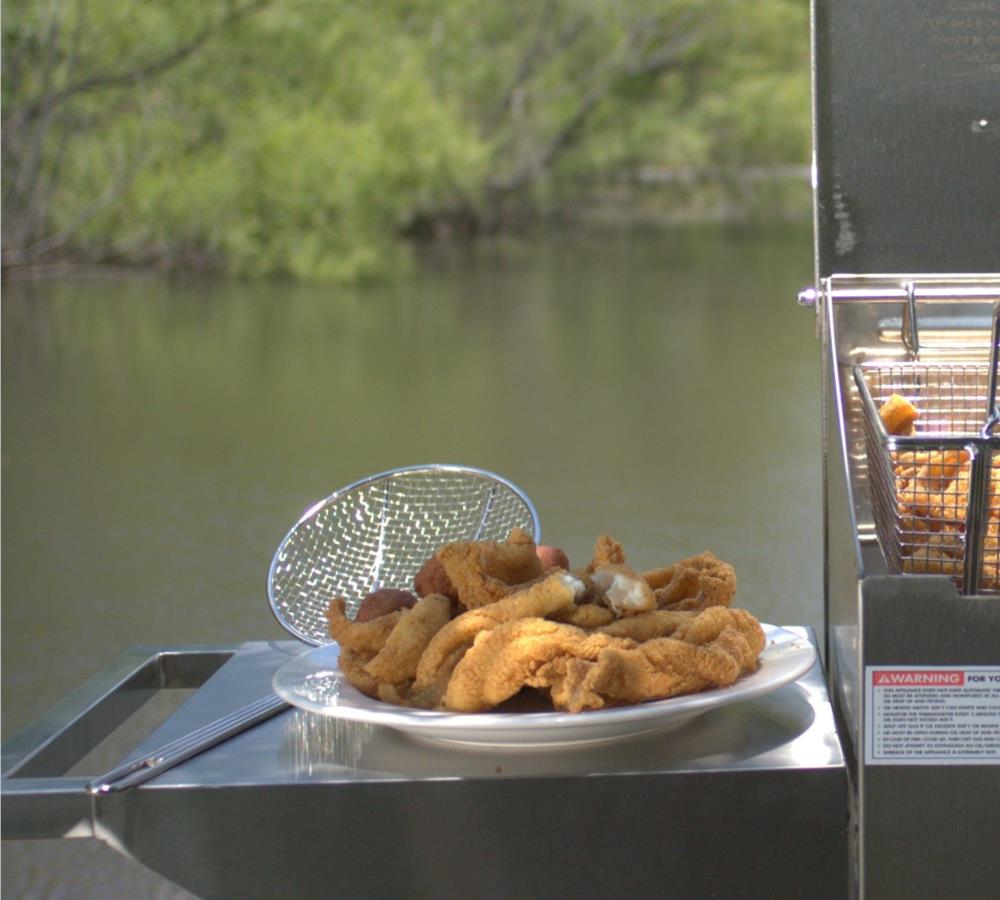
[746, 800]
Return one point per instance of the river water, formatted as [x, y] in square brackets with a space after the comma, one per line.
[160, 437]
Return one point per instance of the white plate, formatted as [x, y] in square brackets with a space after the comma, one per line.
[312, 681]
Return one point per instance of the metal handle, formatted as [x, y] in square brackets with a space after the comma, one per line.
[174, 753]
[975, 517]
[39, 799]
[982, 472]
[992, 409]
[910, 331]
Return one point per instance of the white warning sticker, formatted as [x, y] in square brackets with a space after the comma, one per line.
[928, 715]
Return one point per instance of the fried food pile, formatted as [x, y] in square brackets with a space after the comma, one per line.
[489, 619]
[932, 501]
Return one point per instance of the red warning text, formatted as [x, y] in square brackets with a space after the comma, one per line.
[916, 678]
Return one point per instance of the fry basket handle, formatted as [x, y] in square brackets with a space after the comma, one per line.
[992, 409]
[910, 332]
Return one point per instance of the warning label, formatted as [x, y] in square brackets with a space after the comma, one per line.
[930, 715]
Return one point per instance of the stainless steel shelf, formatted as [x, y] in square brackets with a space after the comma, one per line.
[750, 797]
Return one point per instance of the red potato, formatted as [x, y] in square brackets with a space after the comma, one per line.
[382, 602]
[552, 556]
[432, 579]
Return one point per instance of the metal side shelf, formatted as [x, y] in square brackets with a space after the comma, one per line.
[747, 799]
[39, 800]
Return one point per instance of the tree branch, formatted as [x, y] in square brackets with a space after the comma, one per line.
[104, 80]
[536, 51]
[123, 177]
[631, 60]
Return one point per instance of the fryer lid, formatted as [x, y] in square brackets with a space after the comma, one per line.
[907, 137]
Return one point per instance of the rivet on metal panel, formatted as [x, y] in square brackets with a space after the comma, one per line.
[811, 298]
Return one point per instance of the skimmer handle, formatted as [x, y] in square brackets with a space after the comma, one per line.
[174, 753]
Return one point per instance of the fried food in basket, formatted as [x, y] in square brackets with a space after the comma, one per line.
[898, 415]
[589, 638]
[932, 504]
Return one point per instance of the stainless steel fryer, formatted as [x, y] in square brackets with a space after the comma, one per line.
[921, 826]
[907, 231]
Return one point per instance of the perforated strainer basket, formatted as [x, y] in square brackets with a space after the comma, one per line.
[379, 531]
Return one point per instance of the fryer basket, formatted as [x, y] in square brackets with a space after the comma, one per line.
[933, 492]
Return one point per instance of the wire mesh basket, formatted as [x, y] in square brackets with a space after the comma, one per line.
[379, 531]
[932, 468]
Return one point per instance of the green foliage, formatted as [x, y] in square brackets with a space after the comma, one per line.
[302, 137]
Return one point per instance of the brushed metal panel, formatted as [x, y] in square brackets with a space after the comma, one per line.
[929, 831]
[907, 136]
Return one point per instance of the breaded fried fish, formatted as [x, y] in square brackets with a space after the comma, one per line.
[397, 661]
[657, 669]
[601, 636]
[483, 572]
[592, 670]
[557, 591]
[363, 637]
[697, 582]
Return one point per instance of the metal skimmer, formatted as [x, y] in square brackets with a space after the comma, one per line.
[379, 531]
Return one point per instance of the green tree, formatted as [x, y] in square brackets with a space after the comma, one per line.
[299, 137]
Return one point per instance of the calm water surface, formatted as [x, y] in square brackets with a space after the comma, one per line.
[160, 437]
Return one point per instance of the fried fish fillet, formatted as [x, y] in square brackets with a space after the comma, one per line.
[623, 590]
[397, 661]
[590, 639]
[607, 552]
[585, 670]
[709, 655]
[365, 637]
[483, 572]
[557, 591]
[696, 582]
[585, 615]
[505, 659]
[352, 664]
[646, 626]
